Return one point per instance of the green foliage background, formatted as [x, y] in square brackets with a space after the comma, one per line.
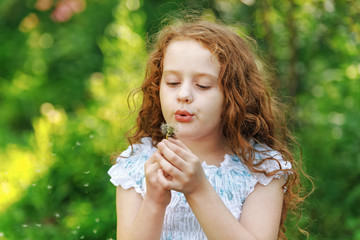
[63, 110]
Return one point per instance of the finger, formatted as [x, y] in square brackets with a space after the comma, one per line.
[165, 174]
[153, 157]
[180, 150]
[169, 168]
[179, 143]
[151, 168]
[167, 184]
[171, 155]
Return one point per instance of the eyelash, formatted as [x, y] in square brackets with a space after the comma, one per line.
[172, 83]
[202, 87]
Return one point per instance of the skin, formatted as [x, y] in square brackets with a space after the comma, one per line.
[190, 82]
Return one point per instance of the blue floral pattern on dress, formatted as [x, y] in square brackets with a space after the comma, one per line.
[232, 181]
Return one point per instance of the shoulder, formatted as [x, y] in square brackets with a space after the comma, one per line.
[129, 168]
[268, 159]
[270, 164]
[145, 147]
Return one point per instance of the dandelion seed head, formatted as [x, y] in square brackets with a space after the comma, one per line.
[168, 130]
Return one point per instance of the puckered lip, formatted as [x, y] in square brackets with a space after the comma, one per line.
[183, 116]
[183, 112]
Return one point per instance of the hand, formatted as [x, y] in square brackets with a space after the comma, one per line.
[154, 190]
[183, 168]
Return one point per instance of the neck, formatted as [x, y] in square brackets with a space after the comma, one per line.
[210, 150]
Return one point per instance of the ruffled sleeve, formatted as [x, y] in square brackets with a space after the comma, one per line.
[128, 171]
[274, 163]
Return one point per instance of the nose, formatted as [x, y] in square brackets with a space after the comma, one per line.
[185, 93]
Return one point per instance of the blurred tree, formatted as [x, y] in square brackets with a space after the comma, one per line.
[42, 60]
[66, 68]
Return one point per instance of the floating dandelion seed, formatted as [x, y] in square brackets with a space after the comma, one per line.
[24, 225]
[91, 136]
[86, 184]
[38, 224]
[78, 227]
[97, 220]
[49, 187]
[82, 237]
[167, 130]
[87, 172]
[95, 231]
[57, 215]
[78, 143]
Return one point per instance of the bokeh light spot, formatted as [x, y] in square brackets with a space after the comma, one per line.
[133, 5]
[29, 23]
[46, 40]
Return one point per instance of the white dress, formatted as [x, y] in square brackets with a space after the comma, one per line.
[232, 181]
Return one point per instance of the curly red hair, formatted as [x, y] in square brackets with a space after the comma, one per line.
[250, 112]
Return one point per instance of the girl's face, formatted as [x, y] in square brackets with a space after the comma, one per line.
[190, 95]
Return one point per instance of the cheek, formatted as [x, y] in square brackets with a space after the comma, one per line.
[217, 108]
[164, 103]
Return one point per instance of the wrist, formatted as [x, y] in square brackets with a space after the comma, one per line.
[201, 190]
[153, 204]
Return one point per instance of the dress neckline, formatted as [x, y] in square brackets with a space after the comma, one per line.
[225, 162]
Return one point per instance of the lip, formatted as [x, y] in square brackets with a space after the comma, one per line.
[183, 116]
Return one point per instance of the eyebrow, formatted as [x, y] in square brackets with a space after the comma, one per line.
[198, 74]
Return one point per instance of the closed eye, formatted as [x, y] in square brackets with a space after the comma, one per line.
[172, 83]
[203, 86]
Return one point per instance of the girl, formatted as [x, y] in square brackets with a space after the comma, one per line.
[227, 173]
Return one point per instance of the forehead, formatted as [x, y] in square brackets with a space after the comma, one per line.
[190, 55]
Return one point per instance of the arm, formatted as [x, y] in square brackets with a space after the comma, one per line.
[139, 218]
[261, 211]
[260, 218]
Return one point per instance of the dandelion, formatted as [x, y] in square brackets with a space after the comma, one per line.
[168, 130]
